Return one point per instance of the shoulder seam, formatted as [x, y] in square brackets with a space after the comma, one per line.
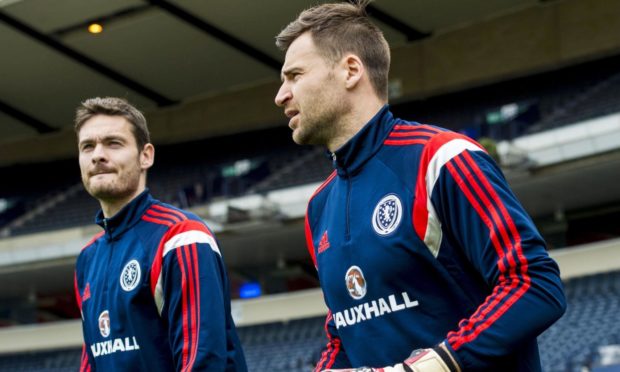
[327, 181]
[93, 240]
[405, 135]
[162, 215]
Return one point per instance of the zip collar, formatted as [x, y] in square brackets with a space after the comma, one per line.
[351, 156]
[128, 216]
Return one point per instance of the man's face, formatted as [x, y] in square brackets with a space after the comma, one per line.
[310, 93]
[112, 167]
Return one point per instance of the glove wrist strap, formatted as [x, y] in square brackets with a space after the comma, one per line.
[447, 357]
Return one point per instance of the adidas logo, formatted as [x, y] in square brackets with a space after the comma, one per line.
[86, 294]
[324, 243]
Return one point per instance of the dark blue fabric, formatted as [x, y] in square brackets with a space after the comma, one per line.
[389, 293]
[123, 328]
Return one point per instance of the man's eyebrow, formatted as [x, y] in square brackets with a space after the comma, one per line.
[113, 137]
[106, 138]
[288, 71]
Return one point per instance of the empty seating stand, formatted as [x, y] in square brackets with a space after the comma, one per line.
[291, 346]
[561, 97]
[43, 361]
[591, 321]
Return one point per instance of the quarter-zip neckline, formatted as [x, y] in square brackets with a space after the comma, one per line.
[347, 180]
[360, 148]
[349, 159]
[125, 218]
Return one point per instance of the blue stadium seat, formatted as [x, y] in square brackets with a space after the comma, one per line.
[591, 321]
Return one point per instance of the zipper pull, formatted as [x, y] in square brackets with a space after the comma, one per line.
[334, 157]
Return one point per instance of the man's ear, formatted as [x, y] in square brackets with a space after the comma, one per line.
[355, 70]
[147, 156]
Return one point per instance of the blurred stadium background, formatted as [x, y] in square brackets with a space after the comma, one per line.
[536, 81]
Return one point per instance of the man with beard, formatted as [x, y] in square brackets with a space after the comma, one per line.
[152, 286]
[426, 259]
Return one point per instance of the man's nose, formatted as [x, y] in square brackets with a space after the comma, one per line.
[98, 153]
[284, 94]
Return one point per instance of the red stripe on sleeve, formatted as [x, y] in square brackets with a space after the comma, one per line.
[197, 291]
[78, 296]
[511, 249]
[325, 183]
[162, 216]
[328, 357]
[84, 365]
[97, 236]
[156, 265]
[494, 224]
[185, 314]
[489, 208]
[161, 208]
[424, 127]
[403, 142]
[309, 242]
[192, 279]
[187, 225]
[157, 220]
[325, 353]
[399, 131]
[178, 228]
[496, 296]
[336, 349]
[307, 229]
[511, 225]
[411, 133]
[420, 207]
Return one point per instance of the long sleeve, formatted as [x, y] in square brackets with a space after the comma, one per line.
[84, 362]
[85, 365]
[333, 355]
[471, 201]
[191, 294]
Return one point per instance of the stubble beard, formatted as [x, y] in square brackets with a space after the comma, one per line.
[118, 189]
[321, 124]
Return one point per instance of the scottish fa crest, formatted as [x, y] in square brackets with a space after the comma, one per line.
[130, 276]
[387, 215]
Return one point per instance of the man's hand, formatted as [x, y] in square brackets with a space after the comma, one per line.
[421, 360]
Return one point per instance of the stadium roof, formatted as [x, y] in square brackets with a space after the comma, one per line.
[159, 53]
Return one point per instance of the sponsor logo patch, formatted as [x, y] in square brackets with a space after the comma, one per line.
[374, 309]
[114, 346]
[130, 276]
[356, 283]
[104, 323]
[387, 215]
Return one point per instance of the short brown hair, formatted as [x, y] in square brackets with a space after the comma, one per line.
[113, 106]
[342, 28]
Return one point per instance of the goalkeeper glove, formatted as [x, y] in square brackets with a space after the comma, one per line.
[420, 360]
